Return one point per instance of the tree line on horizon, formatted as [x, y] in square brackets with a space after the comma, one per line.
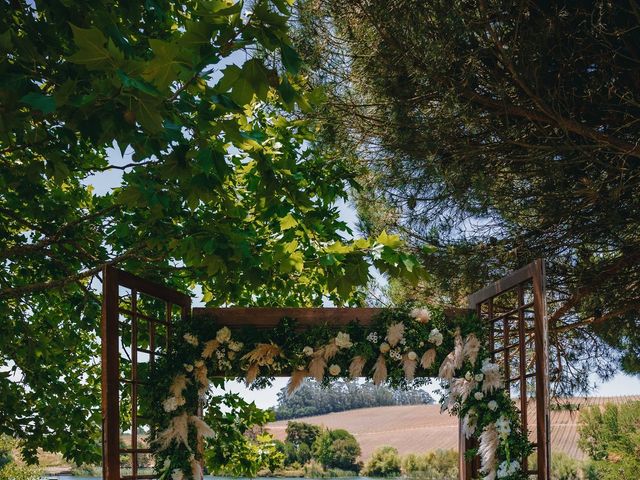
[314, 399]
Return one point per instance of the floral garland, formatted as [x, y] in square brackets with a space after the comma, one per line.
[402, 347]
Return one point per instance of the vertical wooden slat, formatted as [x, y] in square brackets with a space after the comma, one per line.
[522, 347]
[506, 344]
[492, 339]
[152, 342]
[134, 384]
[542, 370]
[110, 373]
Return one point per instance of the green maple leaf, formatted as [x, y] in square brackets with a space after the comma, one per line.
[147, 111]
[288, 222]
[44, 103]
[92, 52]
[163, 69]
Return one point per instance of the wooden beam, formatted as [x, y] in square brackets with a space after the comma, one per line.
[504, 284]
[129, 280]
[267, 317]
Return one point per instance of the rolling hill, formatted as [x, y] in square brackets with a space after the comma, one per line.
[421, 428]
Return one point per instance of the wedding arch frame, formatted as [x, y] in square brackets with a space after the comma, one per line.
[513, 307]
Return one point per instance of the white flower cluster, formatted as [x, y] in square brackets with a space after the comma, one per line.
[506, 469]
[373, 337]
[436, 337]
[491, 376]
[469, 423]
[395, 354]
[223, 362]
[503, 426]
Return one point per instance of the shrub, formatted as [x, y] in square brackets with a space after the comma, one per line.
[385, 462]
[438, 465]
[301, 433]
[611, 437]
[564, 467]
[9, 468]
[337, 449]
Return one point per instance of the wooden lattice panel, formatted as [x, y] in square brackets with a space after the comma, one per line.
[136, 326]
[515, 311]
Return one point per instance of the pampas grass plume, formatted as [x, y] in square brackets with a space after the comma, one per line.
[356, 367]
[379, 371]
[428, 358]
[297, 377]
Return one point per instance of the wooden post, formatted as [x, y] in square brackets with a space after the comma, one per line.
[542, 370]
[110, 372]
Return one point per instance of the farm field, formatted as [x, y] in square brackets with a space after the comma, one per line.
[421, 428]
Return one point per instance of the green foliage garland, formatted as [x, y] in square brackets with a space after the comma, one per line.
[204, 348]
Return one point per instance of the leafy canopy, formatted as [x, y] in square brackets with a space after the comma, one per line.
[220, 186]
[498, 131]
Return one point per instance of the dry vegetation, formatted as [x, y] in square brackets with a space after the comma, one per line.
[421, 428]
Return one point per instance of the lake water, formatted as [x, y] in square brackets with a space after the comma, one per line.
[208, 477]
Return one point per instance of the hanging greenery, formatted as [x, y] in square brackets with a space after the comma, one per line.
[403, 347]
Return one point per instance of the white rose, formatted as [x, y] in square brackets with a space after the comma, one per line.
[188, 367]
[199, 364]
[177, 474]
[478, 395]
[235, 346]
[308, 351]
[223, 335]
[343, 340]
[479, 377]
[493, 405]
[468, 376]
[436, 337]
[334, 370]
[412, 356]
[385, 347]
[170, 404]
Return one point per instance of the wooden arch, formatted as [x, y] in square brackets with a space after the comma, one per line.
[137, 316]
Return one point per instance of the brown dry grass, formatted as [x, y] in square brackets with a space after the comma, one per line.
[421, 428]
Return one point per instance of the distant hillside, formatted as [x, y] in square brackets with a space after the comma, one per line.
[421, 428]
[313, 399]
